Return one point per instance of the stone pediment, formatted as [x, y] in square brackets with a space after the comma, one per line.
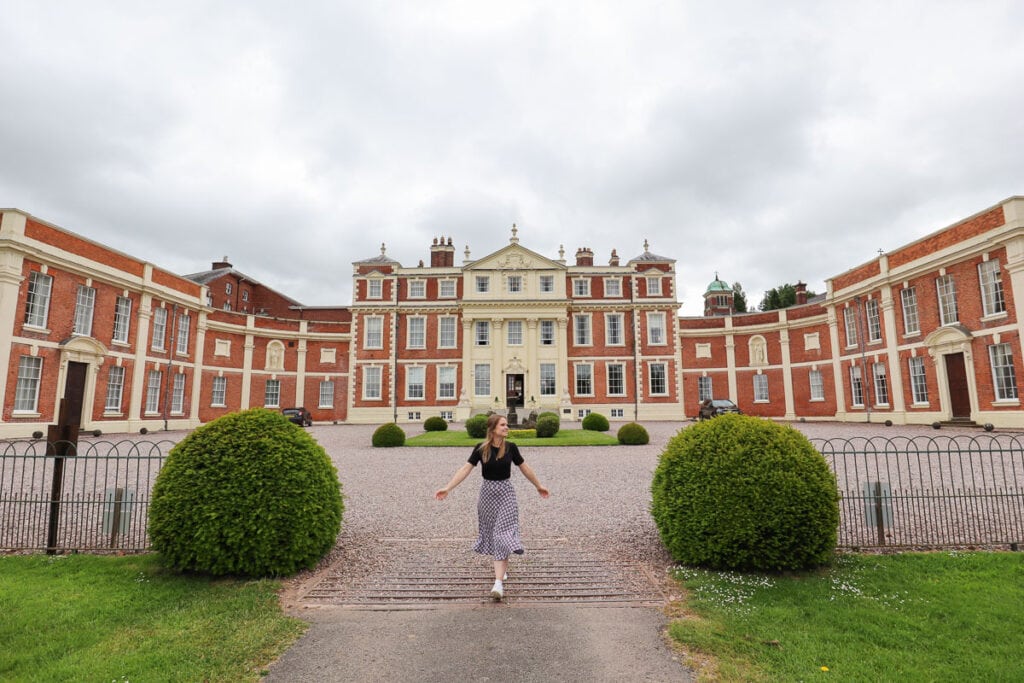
[515, 257]
[950, 334]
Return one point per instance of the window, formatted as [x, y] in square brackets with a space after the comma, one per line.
[547, 283]
[220, 389]
[547, 332]
[446, 382]
[515, 284]
[581, 325]
[946, 287]
[374, 289]
[1004, 379]
[272, 393]
[618, 412]
[581, 287]
[483, 284]
[817, 385]
[658, 379]
[654, 286]
[122, 319]
[613, 287]
[911, 323]
[415, 378]
[178, 395]
[245, 295]
[183, 325]
[417, 289]
[582, 413]
[992, 300]
[482, 337]
[417, 332]
[482, 379]
[760, 388]
[856, 386]
[616, 379]
[159, 328]
[85, 303]
[115, 389]
[153, 381]
[446, 289]
[881, 384]
[37, 305]
[413, 415]
[613, 329]
[446, 332]
[326, 394]
[227, 305]
[374, 336]
[371, 383]
[584, 380]
[548, 379]
[850, 323]
[26, 393]
[515, 332]
[448, 415]
[227, 287]
[704, 390]
[874, 323]
[655, 328]
[918, 382]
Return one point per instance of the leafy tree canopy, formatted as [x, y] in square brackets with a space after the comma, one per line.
[782, 296]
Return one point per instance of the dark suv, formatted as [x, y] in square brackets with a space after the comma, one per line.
[299, 416]
[718, 406]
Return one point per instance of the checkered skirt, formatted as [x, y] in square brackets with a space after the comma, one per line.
[498, 520]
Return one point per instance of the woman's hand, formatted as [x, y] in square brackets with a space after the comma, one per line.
[544, 493]
[441, 494]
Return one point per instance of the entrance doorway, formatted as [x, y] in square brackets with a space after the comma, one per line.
[74, 391]
[514, 391]
[959, 392]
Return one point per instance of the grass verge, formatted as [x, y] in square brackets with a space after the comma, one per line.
[103, 618]
[564, 437]
[950, 616]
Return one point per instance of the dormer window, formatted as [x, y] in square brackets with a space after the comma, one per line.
[654, 286]
[374, 289]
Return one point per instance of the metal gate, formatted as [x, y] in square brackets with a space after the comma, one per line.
[95, 497]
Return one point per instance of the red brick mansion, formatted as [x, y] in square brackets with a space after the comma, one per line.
[928, 332]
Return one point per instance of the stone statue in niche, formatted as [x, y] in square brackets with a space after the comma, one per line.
[275, 356]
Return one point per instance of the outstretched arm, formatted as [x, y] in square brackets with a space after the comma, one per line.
[461, 474]
[532, 476]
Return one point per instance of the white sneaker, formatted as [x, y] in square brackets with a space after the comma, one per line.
[498, 592]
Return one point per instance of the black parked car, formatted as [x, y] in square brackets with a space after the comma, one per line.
[717, 406]
[299, 416]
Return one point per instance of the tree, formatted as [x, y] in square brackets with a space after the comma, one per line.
[782, 296]
[739, 298]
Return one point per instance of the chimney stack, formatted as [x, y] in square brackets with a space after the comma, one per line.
[584, 257]
[442, 254]
[801, 292]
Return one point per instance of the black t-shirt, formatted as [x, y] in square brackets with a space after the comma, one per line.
[494, 469]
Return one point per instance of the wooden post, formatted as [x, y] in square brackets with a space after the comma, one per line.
[61, 442]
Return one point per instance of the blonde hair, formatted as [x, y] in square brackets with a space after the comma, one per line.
[485, 446]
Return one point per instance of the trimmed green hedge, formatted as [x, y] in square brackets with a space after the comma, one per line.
[388, 435]
[248, 494]
[633, 434]
[745, 493]
[548, 425]
[596, 422]
[435, 424]
[476, 426]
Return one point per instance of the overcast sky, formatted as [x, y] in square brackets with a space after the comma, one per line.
[769, 142]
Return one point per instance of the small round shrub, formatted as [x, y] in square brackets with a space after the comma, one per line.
[547, 426]
[552, 414]
[249, 494]
[476, 426]
[388, 435]
[633, 434]
[435, 424]
[744, 493]
[596, 422]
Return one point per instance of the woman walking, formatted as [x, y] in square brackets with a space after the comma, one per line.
[497, 509]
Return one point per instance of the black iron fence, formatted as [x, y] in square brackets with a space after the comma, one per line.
[93, 497]
[928, 492]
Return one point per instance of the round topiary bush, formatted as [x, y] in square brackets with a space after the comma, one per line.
[388, 435]
[633, 434]
[596, 422]
[248, 494]
[435, 424]
[552, 414]
[476, 426]
[547, 425]
[744, 493]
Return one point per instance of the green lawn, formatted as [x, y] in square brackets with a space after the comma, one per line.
[944, 616]
[564, 437]
[104, 618]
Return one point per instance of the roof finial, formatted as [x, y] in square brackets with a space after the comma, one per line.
[515, 235]
[383, 249]
[646, 249]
